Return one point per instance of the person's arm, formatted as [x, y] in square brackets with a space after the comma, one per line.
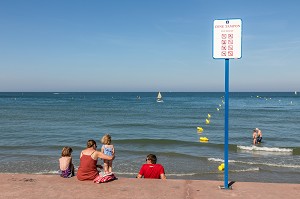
[103, 156]
[163, 176]
[162, 173]
[141, 173]
[102, 149]
[113, 150]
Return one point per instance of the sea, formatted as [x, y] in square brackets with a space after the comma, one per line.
[35, 126]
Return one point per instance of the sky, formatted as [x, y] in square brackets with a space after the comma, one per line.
[145, 46]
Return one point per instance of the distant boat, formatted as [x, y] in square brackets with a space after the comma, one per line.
[159, 97]
[295, 92]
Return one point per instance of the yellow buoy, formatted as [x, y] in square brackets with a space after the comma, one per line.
[204, 139]
[208, 115]
[207, 121]
[199, 129]
[222, 165]
[220, 168]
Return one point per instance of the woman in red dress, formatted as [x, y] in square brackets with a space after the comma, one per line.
[88, 162]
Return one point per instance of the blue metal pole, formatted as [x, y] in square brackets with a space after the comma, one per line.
[226, 123]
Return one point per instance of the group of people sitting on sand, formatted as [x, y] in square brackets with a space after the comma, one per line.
[88, 167]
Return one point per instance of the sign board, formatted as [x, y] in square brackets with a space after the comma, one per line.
[227, 39]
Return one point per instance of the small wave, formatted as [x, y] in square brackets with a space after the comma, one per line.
[255, 163]
[270, 164]
[155, 142]
[47, 172]
[181, 174]
[218, 160]
[268, 149]
[246, 170]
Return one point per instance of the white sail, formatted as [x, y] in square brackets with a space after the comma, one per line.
[159, 97]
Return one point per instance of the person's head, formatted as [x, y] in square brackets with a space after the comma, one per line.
[151, 158]
[106, 139]
[66, 151]
[91, 143]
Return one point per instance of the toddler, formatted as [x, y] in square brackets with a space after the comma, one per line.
[108, 149]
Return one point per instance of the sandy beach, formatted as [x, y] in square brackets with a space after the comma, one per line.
[53, 186]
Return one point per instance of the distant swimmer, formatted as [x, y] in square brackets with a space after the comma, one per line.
[257, 136]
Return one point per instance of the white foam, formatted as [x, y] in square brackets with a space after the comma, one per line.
[181, 174]
[256, 163]
[218, 160]
[268, 149]
[246, 170]
[269, 164]
[48, 172]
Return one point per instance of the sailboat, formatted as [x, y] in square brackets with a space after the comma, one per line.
[159, 97]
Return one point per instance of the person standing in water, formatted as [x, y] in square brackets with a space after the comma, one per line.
[257, 136]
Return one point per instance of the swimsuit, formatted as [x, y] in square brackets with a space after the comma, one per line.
[108, 151]
[66, 173]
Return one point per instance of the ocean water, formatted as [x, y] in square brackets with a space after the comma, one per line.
[35, 126]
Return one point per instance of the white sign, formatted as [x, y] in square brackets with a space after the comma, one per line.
[227, 39]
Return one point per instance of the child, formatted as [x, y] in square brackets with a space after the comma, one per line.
[108, 149]
[65, 163]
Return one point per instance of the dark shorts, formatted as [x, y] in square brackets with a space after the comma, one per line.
[258, 139]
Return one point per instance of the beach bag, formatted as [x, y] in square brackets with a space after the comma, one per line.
[101, 178]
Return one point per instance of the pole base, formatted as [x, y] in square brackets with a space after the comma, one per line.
[229, 185]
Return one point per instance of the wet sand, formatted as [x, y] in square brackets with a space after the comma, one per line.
[53, 186]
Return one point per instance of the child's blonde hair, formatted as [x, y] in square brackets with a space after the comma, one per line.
[66, 151]
[106, 139]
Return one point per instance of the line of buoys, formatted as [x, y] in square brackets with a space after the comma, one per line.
[207, 122]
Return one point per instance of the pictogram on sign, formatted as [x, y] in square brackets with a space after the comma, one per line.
[227, 39]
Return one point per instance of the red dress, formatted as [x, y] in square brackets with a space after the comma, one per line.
[87, 168]
[152, 170]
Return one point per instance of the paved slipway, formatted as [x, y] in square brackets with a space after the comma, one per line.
[53, 186]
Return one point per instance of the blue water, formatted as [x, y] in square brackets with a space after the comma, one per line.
[35, 126]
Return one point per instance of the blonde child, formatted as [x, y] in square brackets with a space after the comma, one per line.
[108, 149]
[65, 163]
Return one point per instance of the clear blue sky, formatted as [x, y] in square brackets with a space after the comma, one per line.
[141, 45]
